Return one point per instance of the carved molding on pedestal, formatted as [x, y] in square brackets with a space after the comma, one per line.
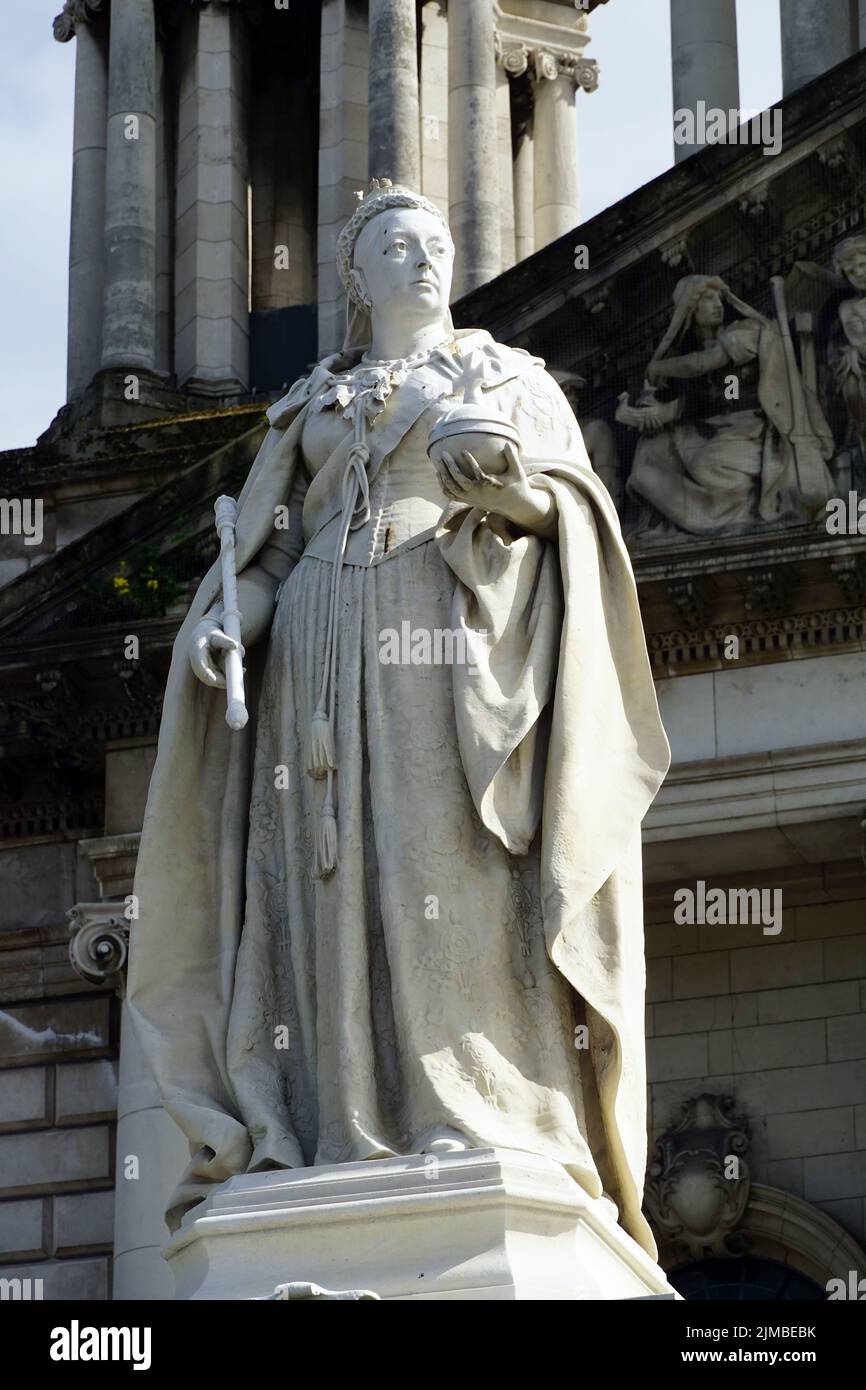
[699, 1181]
[99, 943]
[302, 1292]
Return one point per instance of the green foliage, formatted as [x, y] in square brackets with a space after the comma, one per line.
[147, 581]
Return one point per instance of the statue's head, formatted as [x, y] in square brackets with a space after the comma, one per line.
[396, 254]
[849, 259]
[709, 308]
[701, 298]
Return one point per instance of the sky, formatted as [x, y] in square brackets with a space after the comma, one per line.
[624, 136]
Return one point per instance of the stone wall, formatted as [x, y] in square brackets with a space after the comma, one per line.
[58, 1091]
[779, 1024]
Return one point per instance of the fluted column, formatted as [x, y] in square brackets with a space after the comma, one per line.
[703, 59]
[129, 324]
[394, 134]
[557, 190]
[87, 220]
[472, 145]
[816, 35]
[211, 305]
[524, 194]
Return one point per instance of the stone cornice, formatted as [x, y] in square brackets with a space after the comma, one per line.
[545, 48]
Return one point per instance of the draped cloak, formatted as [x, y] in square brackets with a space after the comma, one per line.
[558, 727]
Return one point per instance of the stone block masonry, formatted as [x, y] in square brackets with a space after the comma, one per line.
[58, 1096]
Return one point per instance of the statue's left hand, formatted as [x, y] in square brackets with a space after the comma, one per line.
[511, 493]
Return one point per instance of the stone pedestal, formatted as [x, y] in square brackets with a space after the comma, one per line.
[486, 1224]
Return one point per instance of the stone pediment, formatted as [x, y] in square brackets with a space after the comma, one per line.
[124, 488]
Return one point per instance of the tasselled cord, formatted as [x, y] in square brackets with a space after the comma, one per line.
[323, 761]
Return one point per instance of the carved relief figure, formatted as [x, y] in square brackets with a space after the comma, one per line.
[743, 442]
[375, 921]
[848, 350]
[597, 434]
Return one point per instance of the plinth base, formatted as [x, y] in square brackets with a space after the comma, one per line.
[483, 1224]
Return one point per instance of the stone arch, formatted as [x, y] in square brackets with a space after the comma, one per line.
[784, 1229]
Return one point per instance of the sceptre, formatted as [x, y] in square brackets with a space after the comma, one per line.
[226, 513]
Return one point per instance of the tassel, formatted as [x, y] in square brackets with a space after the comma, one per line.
[322, 754]
[326, 842]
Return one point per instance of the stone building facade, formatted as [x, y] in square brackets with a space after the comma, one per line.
[201, 280]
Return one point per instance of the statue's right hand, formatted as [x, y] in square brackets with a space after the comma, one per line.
[207, 639]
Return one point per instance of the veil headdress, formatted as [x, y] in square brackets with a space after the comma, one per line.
[382, 195]
[687, 292]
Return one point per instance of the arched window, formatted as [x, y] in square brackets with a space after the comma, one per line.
[744, 1280]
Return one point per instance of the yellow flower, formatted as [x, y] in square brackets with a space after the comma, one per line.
[152, 584]
[120, 583]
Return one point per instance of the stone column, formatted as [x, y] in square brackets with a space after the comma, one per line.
[211, 240]
[87, 220]
[704, 59]
[129, 324]
[816, 35]
[393, 149]
[524, 194]
[434, 104]
[343, 92]
[506, 170]
[472, 148]
[164, 218]
[861, 27]
[557, 198]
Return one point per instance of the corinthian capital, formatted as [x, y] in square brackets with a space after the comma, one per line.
[75, 12]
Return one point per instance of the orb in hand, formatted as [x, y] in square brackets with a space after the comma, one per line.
[477, 431]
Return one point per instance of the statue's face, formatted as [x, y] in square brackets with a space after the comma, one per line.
[710, 309]
[855, 269]
[404, 259]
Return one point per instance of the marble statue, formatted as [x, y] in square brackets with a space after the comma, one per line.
[400, 911]
[743, 442]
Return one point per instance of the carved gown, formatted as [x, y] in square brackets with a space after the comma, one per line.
[471, 967]
[410, 991]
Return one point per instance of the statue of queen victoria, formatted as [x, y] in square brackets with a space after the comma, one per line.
[424, 878]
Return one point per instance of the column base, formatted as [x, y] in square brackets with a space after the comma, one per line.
[483, 1224]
